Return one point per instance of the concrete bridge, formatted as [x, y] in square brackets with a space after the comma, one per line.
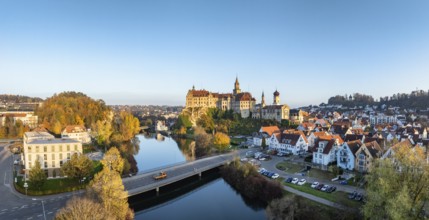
[145, 182]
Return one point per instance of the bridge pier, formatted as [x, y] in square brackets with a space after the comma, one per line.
[199, 175]
[157, 191]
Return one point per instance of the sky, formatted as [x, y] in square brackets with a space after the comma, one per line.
[152, 52]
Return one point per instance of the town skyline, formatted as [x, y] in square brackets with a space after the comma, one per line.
[151, 53]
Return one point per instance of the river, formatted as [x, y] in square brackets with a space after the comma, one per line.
[207, 198]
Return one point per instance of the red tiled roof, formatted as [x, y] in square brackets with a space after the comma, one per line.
[270, 129]
[74, 128]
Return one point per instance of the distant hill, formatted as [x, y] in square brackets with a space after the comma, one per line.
[418, 99]
[5, 98]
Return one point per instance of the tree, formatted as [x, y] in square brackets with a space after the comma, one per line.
[129, 125]
[264, 143]
[37, 176]
[78, 166]
[82, 208]
[113, 160]
[102, 131]
[202, 142]
[283, 208]
[398, 188]
[221, 141]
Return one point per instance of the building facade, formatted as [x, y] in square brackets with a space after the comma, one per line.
[51, 153]
[76, 132]
[27, 118]
[238, 101]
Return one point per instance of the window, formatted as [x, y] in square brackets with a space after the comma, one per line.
[68, 147]
[52, 148]
[29, 148]
[29, 157]
[45, 157]
[53, 156]
[61, 163]
[75, 147]
[61, 148]
[45, 149]
[46, 165]
[53, 164]
[37, 149]
[29, 164]
[61, 156]
[68, 156]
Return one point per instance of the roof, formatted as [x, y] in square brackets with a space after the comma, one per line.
[374, 149]
[270, 129]
[337, 137]
[340, 129]
[38, 135]
[74, 129]
[288, 138]
[273, 107]
[354, 146]
[353, 137]
[319, 133]
[54, 141]
[298, 132]
[244, 96]
[200, 93]
[329, 143]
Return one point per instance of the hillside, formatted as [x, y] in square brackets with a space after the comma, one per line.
[5, 98]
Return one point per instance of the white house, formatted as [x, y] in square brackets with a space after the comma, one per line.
[346, 154]
[314, 136]
[324, 151]
[76, 132]
[265, 132]
[294, 142]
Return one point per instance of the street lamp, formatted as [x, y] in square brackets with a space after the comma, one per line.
[43, 207]
[25, 186]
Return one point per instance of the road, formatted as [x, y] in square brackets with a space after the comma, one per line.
[13, 205]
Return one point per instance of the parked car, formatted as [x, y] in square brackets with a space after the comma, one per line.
[261, 170]
[295, 181]
[302, 182]
[289, 180]
[358, 197]
[343, 182]
[244, 159]
[314, 185]
[331, 189]
[16, 162]
[324, 188]
[320, 186]
[353, 195]
[262, 159]
[275, 176]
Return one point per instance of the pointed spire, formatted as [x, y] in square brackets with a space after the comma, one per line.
[193, 87]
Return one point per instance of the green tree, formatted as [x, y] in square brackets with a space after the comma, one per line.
[264, 143]
[113, 160]
[128, 125]
[206, 122]
[202, 142]
[398, 188]
[37, 176]
[221, 141]
[77, 167]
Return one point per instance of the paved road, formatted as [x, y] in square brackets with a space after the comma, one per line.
[145, 182]
[13, 205]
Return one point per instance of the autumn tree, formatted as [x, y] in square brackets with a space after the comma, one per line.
[77, 167]
[82, 208]
[398, 188]
[102, 130]
[37, 176]
[221, 141]
[202, 142]
[113, 160]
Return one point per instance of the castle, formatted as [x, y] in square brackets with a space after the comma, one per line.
[240, 102]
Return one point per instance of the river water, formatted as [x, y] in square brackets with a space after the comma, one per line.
[207, 198]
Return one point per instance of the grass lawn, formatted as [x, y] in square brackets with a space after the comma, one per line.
[337, 197]
[320, 174]
[289, 167]
[51, 186]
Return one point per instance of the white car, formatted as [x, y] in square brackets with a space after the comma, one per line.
[324, 188]
[294, 181]
[16, 162]
[302, 182]
[275, 176]
[261, 170]
[244, 159]
[314, 185]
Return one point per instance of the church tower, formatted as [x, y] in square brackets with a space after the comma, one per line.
[263, 100]
[237, 89]
[276, 98]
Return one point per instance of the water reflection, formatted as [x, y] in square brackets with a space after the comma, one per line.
[154, 151]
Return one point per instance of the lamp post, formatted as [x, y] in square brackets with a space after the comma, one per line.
[25, 186]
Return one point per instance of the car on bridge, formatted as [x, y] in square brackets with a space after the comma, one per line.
[160, 175]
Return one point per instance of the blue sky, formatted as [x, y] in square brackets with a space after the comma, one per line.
[152, 52]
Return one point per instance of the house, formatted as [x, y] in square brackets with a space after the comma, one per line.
[306, 126]
[52, 153]
[27, 118]
[313, 137]
[324, 151]
[294, 142]
[391, 151]
[76, 132]
[265, 132]
[354, 137]
[346, 154]
[365, 156]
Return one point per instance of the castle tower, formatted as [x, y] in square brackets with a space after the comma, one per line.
[276, 98]
[263, 100]
[237, 89]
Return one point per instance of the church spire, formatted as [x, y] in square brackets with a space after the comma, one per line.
[263, 99]
[237, 89]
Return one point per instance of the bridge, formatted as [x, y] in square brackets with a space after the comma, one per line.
[145, 182]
